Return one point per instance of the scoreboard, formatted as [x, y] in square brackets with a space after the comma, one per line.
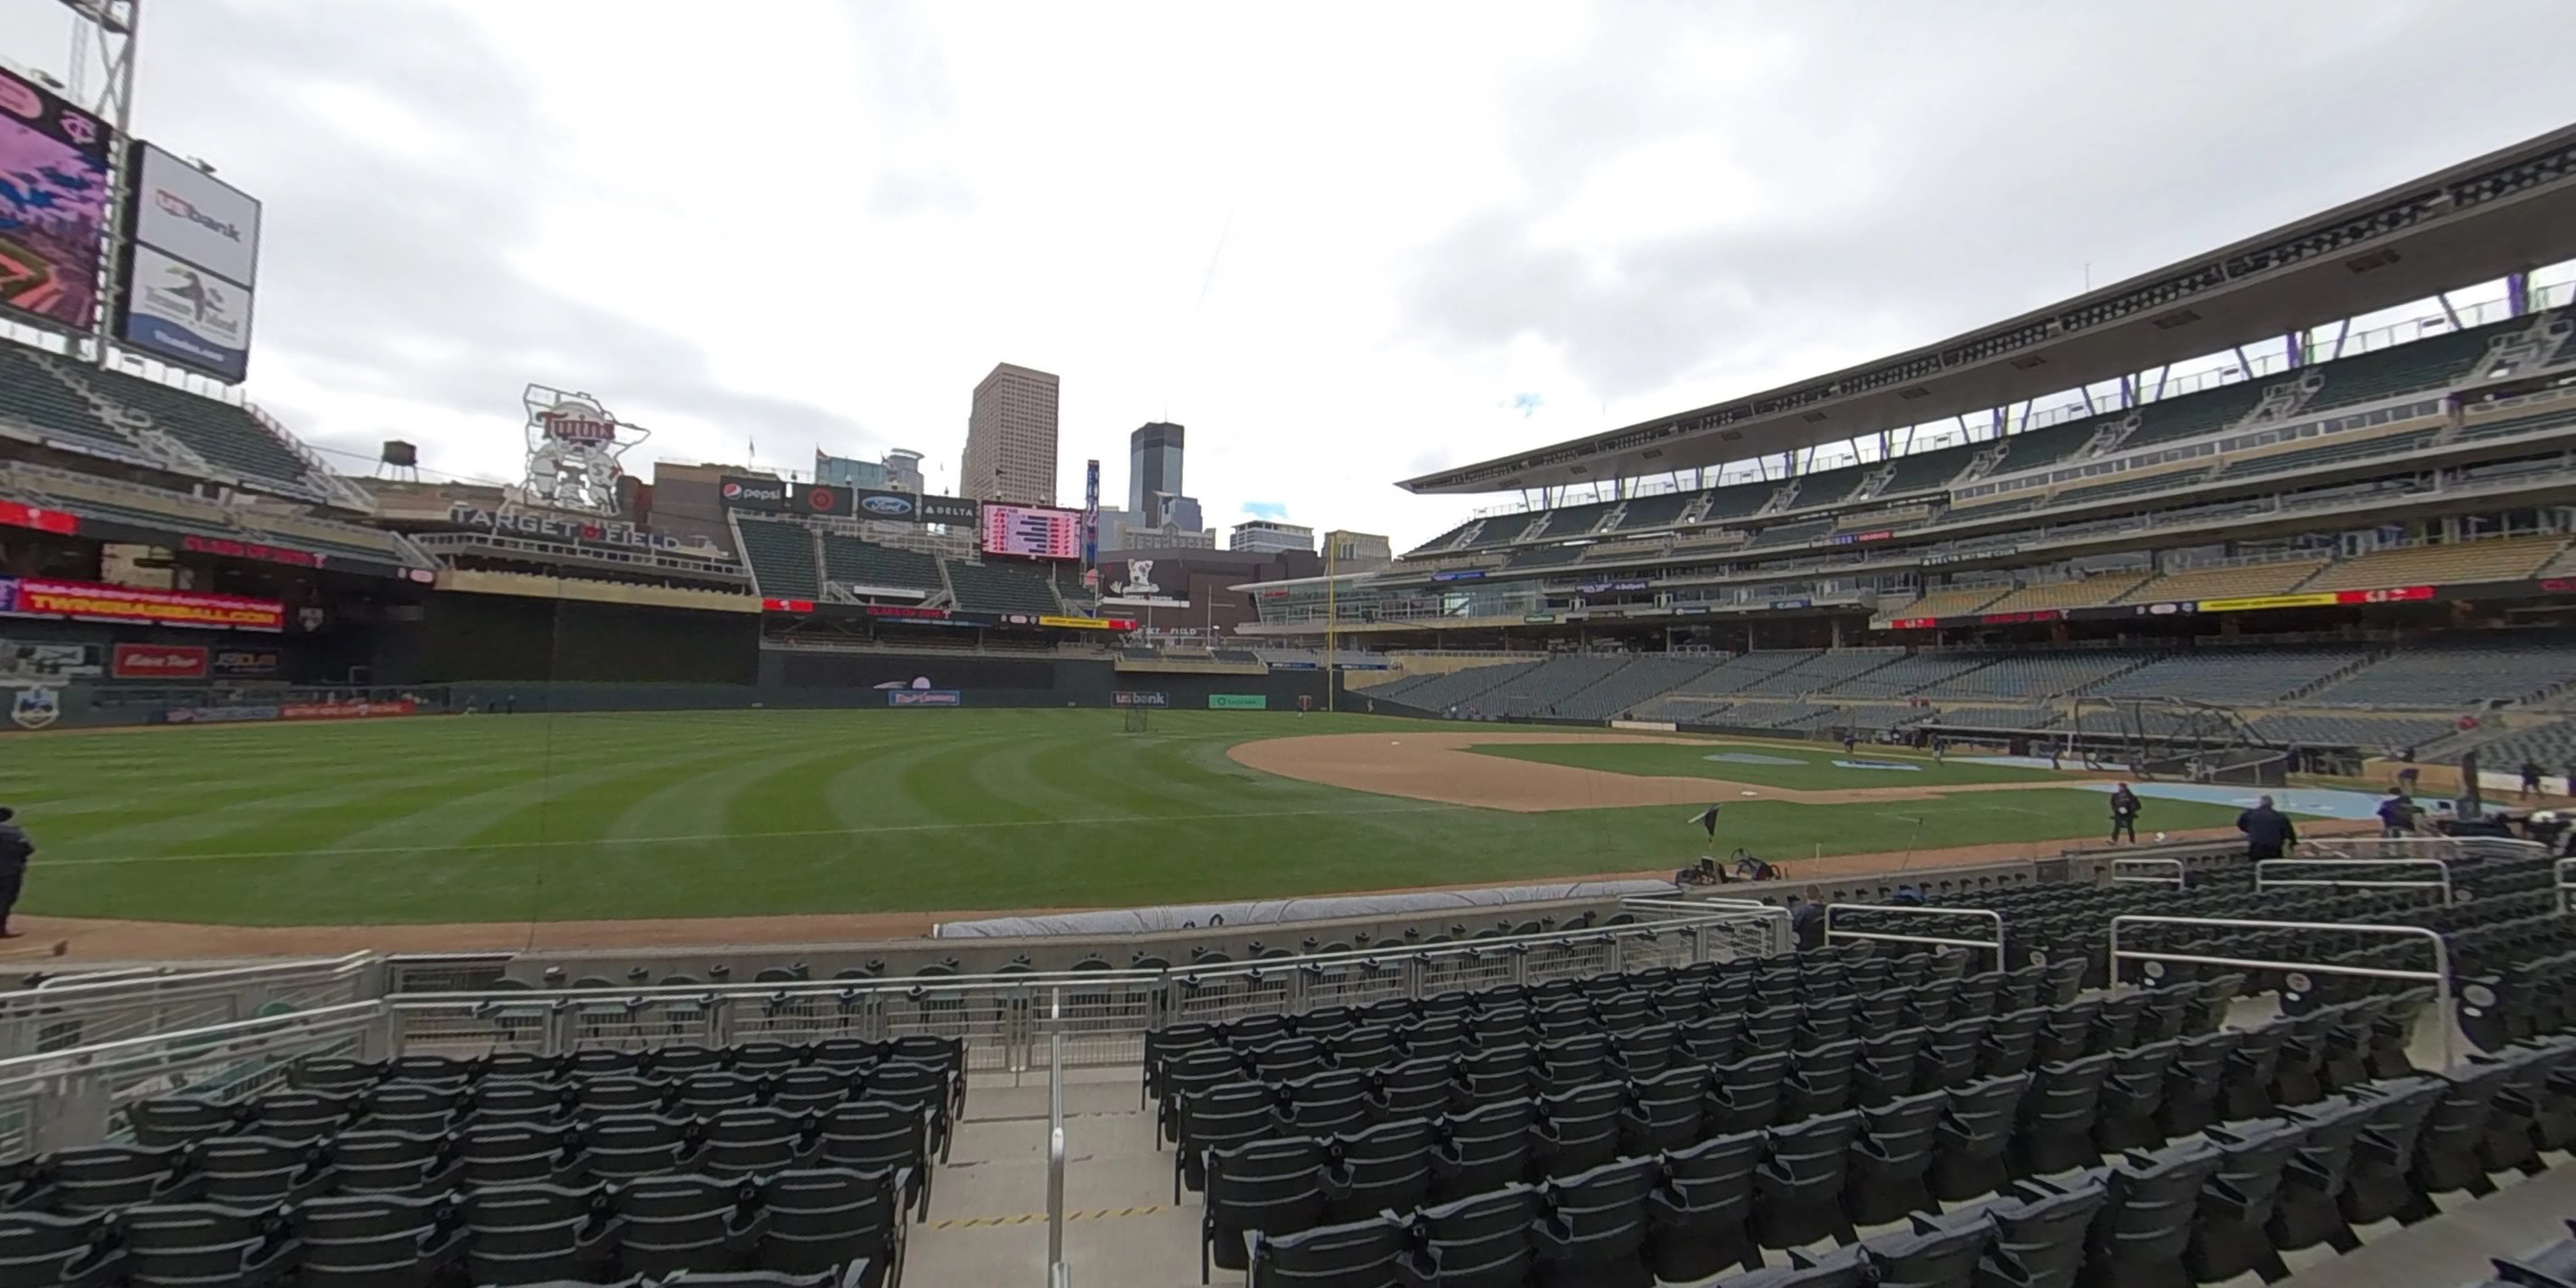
[1031, 532]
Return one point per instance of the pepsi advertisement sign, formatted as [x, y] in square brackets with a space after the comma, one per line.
[743, 493]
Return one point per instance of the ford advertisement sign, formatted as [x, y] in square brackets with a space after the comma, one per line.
[888, 505]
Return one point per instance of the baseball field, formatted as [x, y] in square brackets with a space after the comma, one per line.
[494, 819]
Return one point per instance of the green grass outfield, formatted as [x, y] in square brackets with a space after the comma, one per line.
[1815, 769]
[514, 818]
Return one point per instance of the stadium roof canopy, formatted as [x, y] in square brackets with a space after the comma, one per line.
[2509, 210]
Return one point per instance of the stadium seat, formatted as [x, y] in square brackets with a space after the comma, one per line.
[2147, 1213]
[520, 1234]
[688, 1223]
[1594, 1231]
[824, 1218]
[1891, 1156]
[204, 1245]
[379, 1241]
[1483, 1148]
[1385, 1168]
[1482, 1241]
[1358, 1254]
[40, 1248]
[1799, 1185]
[1276, 1187]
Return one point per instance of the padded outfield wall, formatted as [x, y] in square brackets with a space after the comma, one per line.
[600, 673]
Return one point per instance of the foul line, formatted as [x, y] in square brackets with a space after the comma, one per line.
[746, 836]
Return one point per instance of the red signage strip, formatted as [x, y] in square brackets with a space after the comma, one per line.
[344, 710]
[261, 551]
[159, 662]
[91, 602]
[28, 516]
[787, 605]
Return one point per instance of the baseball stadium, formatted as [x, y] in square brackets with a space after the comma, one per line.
[2071, 805]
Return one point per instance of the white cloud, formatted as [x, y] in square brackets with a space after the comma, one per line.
[816, 223]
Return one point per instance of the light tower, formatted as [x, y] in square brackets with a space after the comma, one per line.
[101, 80]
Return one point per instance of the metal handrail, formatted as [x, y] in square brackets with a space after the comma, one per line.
[2263, 880]
[2563, 876]
[2181, 872]
[1995, 945]
[213, 1040]
[2439, 977]
[1056, 1272]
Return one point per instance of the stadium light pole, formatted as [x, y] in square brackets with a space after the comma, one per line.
[115, 26]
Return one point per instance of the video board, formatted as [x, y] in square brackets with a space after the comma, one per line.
[1032, 532]
[54, 190]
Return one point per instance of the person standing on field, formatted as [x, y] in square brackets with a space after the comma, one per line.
[15, 850]
[2124, 813]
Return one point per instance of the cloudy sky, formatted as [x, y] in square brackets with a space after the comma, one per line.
[1342, 243]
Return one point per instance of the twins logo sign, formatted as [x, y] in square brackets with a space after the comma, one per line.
[36, 708]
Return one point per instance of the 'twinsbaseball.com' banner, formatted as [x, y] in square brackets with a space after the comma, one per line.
[91, 602]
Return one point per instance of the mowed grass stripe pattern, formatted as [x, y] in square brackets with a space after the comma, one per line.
[516, 818]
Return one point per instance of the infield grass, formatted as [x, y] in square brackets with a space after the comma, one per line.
[1808, 767]
[515, 818]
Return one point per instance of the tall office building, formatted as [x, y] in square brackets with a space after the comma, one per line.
[1267, 536]
[1153, 464]
[899, 471]
[1010, 438]
[1357, 551]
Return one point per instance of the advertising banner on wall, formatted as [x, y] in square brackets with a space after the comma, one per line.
[245, 663]
[924, 698]
[193, 216]
[22, 660]
[53, 206]
[158, 662]
[1238, 702]
[741, 492]
[1130, 698]
[184, 315]
[191, 265]
[823, 499]
[906, 507]
[91, 602]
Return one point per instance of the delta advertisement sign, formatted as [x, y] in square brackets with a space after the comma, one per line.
[83, 601]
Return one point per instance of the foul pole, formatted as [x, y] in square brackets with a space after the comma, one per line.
[1330, 620]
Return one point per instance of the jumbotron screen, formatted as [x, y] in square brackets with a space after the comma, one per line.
[1032, 533]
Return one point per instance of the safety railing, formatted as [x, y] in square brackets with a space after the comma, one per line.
[2439, 976]
[2452, 849]
[85, 1010]
[1008, 1023]
[1057, 1272]
[2366, 874]
[1954, 916]
[63, 1099]
[2172, 872]
[2563, 876]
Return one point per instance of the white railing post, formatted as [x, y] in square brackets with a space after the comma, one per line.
[1056, 1270]
[2439, 977]
[1988, 915]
